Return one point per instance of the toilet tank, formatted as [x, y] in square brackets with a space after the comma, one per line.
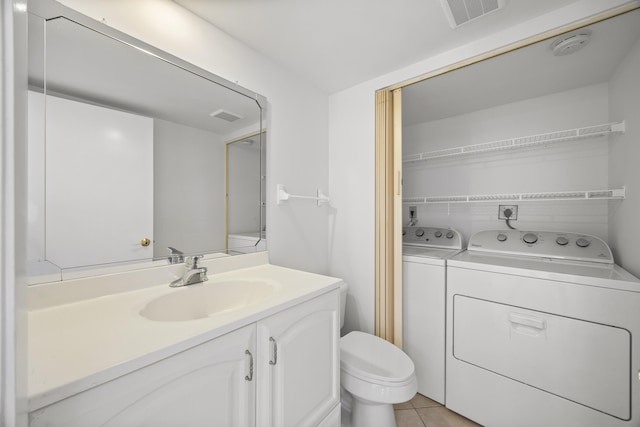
[343, 302]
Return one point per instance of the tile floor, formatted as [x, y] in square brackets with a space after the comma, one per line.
[424, 412]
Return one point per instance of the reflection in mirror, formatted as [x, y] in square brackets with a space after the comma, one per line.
[245, 187]
[127, 152]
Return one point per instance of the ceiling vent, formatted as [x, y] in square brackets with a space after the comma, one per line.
[462, 11]
[226, 115]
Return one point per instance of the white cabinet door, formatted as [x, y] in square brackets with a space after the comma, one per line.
[423, 323]
[584, 362]
[299, 364]
[99, 184]
[209, 385]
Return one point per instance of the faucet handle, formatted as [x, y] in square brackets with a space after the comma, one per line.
[175, 256]
[192, 261]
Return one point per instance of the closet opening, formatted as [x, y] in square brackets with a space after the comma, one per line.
[474, 192]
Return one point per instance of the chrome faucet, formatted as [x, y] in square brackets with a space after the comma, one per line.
[192, 273]
[175, 256]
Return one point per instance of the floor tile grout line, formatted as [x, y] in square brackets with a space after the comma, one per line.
[416, 412]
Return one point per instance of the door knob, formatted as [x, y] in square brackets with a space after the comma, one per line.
[145, 242]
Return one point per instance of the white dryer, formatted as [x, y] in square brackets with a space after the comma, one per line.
[543, 329]
[424, 257]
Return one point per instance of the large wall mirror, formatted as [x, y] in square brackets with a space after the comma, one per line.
[128, 152]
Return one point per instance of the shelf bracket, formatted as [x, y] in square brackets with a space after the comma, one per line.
[618, 127]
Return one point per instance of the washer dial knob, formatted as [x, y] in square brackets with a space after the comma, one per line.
[530, 238]
[562, 241]
[419, 232]
[449, 234]
[583, 243]
[502, 237]
[438, 234]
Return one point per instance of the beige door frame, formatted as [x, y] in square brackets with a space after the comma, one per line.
[388, 221]
[388, 254]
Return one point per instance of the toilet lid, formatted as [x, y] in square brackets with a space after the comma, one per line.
[371, 358]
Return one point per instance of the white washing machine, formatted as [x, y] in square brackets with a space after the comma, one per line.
[424, 257]
[543, 329]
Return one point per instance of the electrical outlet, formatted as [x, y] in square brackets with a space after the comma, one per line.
[512, 208]
[413, 212]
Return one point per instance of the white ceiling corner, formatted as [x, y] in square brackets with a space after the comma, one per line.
[336, 44]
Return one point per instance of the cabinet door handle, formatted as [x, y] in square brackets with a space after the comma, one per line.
[250, 376]
[275, 351]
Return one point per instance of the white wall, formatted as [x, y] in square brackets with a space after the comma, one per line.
[297, 117]
[624, 225]
[581, 165]
[352, 154]
[189, 171]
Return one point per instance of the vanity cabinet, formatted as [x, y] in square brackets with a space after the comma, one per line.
[202, 386]
[282, 370]
[299, 364]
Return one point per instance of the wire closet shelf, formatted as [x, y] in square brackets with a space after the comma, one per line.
[531, 141]
[615, 194]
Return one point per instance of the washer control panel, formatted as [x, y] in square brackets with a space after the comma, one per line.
[546, 244]
[432, 237]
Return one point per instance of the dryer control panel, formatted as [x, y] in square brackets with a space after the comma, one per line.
[432, 237]
[546, 244]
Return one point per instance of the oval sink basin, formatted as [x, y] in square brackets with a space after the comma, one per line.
[207, 299]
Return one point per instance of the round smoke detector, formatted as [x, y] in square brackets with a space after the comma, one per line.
[572, 42]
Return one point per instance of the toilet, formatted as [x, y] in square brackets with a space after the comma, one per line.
[374, 375]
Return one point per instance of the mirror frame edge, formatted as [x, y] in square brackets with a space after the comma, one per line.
[50, 9]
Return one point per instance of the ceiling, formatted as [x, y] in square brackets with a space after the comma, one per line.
[335, 44]
[528, 72]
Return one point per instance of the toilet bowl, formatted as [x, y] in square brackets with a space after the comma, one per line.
[374, 374]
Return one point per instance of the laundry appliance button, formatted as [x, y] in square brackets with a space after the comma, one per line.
[583, 243]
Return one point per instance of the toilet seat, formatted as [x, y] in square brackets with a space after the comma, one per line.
[374, 360]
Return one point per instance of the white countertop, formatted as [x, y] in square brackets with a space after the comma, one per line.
[77, 345]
